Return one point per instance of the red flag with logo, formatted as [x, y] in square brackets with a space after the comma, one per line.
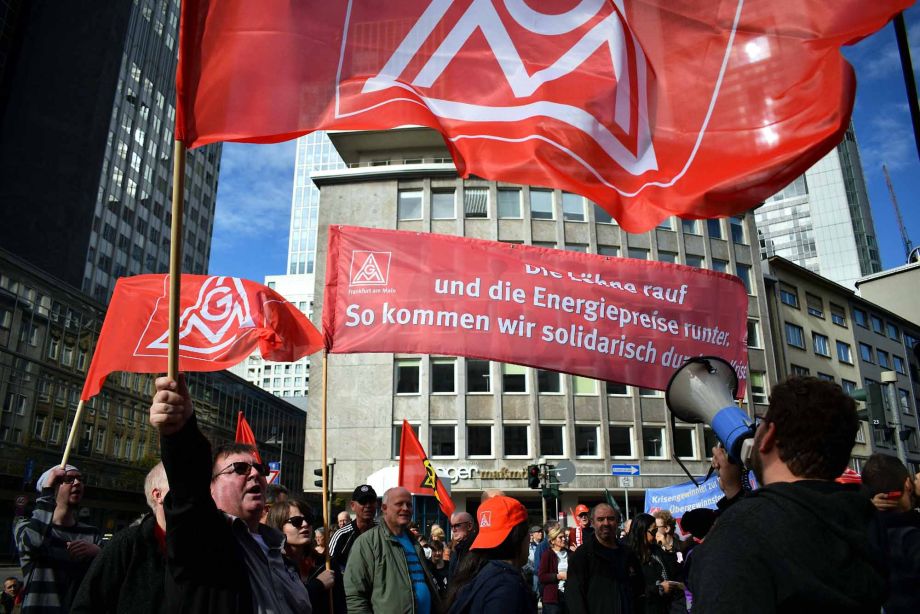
[222, 321]
[650, 108]
[417, 474]
[616, 319]
[245, 435]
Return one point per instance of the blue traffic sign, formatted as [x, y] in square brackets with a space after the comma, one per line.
[624, 470]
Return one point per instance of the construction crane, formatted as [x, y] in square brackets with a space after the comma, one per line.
[908, 246]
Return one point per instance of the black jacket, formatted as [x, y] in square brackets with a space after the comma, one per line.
[498, 587]
[792, 547]
[903, 531]
[127, 576]
[602, 580]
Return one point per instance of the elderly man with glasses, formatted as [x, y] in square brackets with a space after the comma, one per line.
[219, 557]
[55, 550]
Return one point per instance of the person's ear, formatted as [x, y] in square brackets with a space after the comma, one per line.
[768, 441]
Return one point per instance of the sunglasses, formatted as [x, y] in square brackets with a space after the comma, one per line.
[653, 530]
[70, 478]
[460, 524]
[243, 468]
[297, 521]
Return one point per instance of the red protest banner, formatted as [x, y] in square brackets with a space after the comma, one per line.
[649, 108]
[616, 319]
[417, 474]
[222, 321]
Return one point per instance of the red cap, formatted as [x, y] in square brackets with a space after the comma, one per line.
[581, 508]
[497, 516]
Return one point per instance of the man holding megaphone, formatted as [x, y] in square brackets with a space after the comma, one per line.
[800, 543]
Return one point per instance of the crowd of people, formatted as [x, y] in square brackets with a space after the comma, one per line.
[218, 538]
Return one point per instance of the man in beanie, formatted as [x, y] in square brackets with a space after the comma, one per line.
[54, 549]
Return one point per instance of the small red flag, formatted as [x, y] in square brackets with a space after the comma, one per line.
[222, 321]
[245, 435]
[417, 474]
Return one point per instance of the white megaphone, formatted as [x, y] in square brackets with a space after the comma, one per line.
[703, 391]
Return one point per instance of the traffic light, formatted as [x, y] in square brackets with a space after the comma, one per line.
[533, 476]
[551, 492]
[318, 473]
[872, 396]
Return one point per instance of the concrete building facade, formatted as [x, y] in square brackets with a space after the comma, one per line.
[483, 422]
[826, 330]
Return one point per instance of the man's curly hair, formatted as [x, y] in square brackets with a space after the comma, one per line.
[816, 426]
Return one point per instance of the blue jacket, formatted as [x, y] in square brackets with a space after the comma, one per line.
[498, 587]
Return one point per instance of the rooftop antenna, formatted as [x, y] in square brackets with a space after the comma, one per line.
[908, 246]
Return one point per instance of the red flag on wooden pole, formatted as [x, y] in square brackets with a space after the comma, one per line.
[417, 474]
[245, 435]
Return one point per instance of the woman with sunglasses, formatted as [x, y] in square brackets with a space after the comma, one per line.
[294, 519]
[553, 570]
[656, 573]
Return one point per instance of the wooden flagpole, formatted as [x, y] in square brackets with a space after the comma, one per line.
[175, 257]
[77, 418]
[326, 523]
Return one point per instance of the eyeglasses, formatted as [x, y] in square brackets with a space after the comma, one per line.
[70, 478]
[243, 468]
[653, 530]
[297, 521]
[460, 524]
[585, 515]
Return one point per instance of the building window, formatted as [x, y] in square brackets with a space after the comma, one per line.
[621, 441]
[744, 273]
[822, 346]
[789, 295]
[409, 205]
[54, 348]
[815, 305]
[552, 440]
[39, 429]
[573, 207]
[653, 441]
[444, 440]
[15, 402]
[753, 334]
[758, 383]
[865, 352]
[899, 365]
[608, 250]
[691, 227]
[666, 224]
[696, 261]
[478, 378]
[616, 389]
[737, 226]
[443, 205]
[586, 438]
[795, 336]
[476, 202]
[860, 317]
[904, 400]
[541, 205]
[685, 442]
[576, 247]
[100, 440]
[407, 376]
[509, 204]
[664, 256]
[549, 382]
[893, 331]
[825, 376]
[443, 375]
[479, 440]
[638, 253]
[877, 325]
[800, 371]
[838, 315]
[514, 378]
[715, 228]
[649, 392]
[843, 353]
[583, 385]
[515, 439]
[601, 216]
[397, 436]
[55, 435]
[720, 265]
[848, 386]
[883, 360]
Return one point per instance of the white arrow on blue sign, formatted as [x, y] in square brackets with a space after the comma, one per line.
[624, 470]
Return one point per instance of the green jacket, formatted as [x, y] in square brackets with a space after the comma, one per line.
[377, 576]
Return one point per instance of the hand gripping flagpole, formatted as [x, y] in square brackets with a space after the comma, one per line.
[175, 258]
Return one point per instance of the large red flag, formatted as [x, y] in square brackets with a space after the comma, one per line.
[245, 435]
[417, 474]
[223, 320]
[651, 108]
[617, 319]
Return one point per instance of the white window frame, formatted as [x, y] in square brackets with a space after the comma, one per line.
[565, 442]
[491, 426]
[693, 442]
[438, 424]
[664, 442]
[632, 439]
[453, 196]
[527, 438]
[488, 377]
[558, 376]
[520, 198]
[398, 425]
[406, 361]
[593, 382]
[421, 207]
[526, 378]
[442, 361]
[597, 439]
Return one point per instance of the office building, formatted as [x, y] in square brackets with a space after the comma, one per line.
[483, 422]
[822, 220]
[824, 329]
[87, 111]
[890, 289]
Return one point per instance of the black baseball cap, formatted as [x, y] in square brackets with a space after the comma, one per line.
[364, 494]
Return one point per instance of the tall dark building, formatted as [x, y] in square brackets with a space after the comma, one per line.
[87, 111]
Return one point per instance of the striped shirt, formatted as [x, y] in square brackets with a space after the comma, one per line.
[52, 576]
[339, 549]
[416, 575]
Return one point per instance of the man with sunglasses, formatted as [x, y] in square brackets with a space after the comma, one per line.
[55, 550]
[220, 558]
